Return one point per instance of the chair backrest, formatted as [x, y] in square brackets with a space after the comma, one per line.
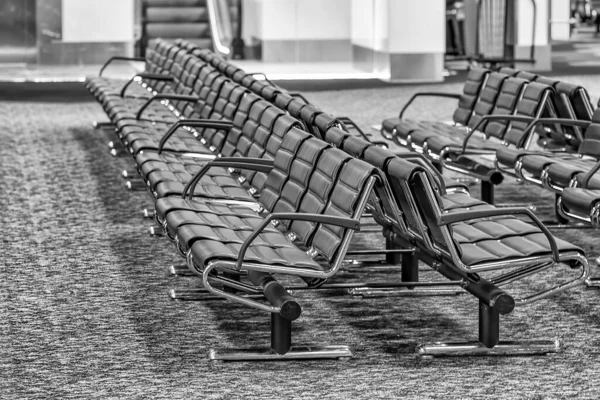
[487, 98]
[309, 176]
[230, 147]
[471, 90]
[399, 174]
[532, 104]
[509, 71]
[287, 184]
[530, 76]
[511, 93]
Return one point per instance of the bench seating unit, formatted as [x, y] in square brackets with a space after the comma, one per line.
[501, 109]
[256, 198]
[484, 246]
[310, 206]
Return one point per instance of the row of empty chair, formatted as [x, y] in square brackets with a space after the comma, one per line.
[540, 130]
[263, 193]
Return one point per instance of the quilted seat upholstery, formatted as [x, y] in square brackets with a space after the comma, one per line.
[502, 239]
[580, 201]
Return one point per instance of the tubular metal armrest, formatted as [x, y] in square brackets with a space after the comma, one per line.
[254, 164]
[485, 118]
[198, 123]
[263, 76]
[343, 222]
[346, 121]
[299, 96]
[561, 121]
[588, 175]
[451, 218]
[177, 97]
[154, 77]
[420, 94]
[119, 58]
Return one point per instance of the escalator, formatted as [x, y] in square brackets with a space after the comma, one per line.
[212, 24]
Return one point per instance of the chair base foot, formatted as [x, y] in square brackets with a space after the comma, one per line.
[147, 213]
[118, 153]
[503, 348]
[129, 174]
[201, 294]
[594, 282]
[156, 231]
[267, 354]
[575, 225]
[531, 207]
[180, 270]
[103, 125]
[135, 186]
[366, 292]
[193, 295]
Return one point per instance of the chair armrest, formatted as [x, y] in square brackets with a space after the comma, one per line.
[343, 222]
[486, 118]
[585, 180]
[561, 121]
[451, 218]
[348, 122]
[177, 97]
[198, 123]
[254, 164]
[119, 58]
[299, 95]
[154, 77]
[429, 94]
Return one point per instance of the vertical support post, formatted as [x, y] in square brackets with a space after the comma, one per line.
[390, 244]
[281, 334]
[489, 325]
[410, 267]
[233, 277]
[559, 218]
[487, 191]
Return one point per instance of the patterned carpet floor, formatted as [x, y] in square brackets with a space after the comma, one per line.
[85, 313]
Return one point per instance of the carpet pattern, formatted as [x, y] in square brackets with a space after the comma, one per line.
[84, 311]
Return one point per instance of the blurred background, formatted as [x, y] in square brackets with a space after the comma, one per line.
[388, 40]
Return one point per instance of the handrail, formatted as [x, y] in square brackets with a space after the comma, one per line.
[216, 36]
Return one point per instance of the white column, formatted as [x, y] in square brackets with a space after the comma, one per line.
[401, 40]
[524, 29]
[560, 14]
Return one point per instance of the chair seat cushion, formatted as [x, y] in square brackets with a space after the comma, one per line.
[184, 144]
[210, 187]
[580, 201]
[508, 156]
[169, 204]
[502, 239]
[224, 242]
[458, 202]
